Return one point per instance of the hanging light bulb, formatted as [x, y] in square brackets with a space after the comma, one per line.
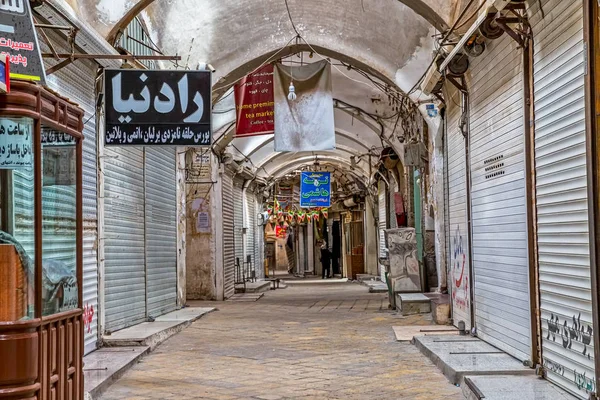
[292, 92]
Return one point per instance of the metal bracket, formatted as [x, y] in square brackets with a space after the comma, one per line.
[462, 86]
[519, 35]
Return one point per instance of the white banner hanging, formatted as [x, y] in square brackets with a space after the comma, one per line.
[306, 123]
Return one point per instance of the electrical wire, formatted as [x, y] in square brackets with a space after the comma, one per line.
[446, 36]
[290, 17]
[257, 68]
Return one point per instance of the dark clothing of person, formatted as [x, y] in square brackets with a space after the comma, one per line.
[325, 261]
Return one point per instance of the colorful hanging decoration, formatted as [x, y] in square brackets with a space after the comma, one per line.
[301, 216]
[315, 216]
[325, 212]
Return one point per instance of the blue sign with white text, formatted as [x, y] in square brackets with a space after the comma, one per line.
[315, 189]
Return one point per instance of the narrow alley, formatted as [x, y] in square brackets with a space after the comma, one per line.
[306, 341]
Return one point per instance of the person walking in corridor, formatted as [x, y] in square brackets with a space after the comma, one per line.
[326, 260]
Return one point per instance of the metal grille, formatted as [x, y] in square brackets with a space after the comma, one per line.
[498, 199]
[228, 236]
[125, 276]
[161, 230]
[562, 204]
[457, 211]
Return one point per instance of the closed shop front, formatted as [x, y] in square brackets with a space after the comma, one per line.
[140, 234]
[228, 236]
[460, 279]
[77, 82]
[251, 228]
[382, 224]
[498, 198]
[562, 205]
[124, 263]
[238, 219]
[161, 230]
[259, 242]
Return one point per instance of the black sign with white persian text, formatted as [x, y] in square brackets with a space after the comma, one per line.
[158, 107]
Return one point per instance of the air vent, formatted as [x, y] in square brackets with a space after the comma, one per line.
[494, 167]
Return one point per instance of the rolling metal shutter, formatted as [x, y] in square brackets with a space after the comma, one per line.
[562, 204]
[238, 219]
[77, 82]
[228, 236]
[251, 225]
[125, 276]
[382, 224]
[460, 279]
[161, 230]
[498, 198]
[259, 242]
[392, 208]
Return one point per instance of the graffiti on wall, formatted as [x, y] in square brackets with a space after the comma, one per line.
[569, 333]
[88, 317]
[460, 273]
[583, 382]
[554, 367]
[577, 332]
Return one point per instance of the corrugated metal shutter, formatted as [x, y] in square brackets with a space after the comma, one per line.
[77, 82]
[125, 277]
[161, 230]
[251, 225]
[392, 202]
[563, 235]
[228, 236]
[238, 219]
[457, 210]
[382, 224]
[498, 198]
[259, 243]
[382, 218]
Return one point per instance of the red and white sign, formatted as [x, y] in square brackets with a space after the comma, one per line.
[280, 231]
[254, 103]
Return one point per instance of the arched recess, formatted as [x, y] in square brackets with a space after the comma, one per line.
[342, 152]
[291, 165]
[265, 151]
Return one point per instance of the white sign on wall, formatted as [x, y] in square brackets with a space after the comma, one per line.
[15, 143]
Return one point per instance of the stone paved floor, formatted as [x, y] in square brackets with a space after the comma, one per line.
[308, 342]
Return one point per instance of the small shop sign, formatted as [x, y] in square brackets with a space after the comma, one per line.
[15, 143]
[315, 189]
[163, 107]
[254, 103]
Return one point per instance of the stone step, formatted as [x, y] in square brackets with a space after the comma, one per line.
[413, 303]
[440, 307]
[253, 287]
[153, 333]
[460, 356]
[510, 387]
[101, 368]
